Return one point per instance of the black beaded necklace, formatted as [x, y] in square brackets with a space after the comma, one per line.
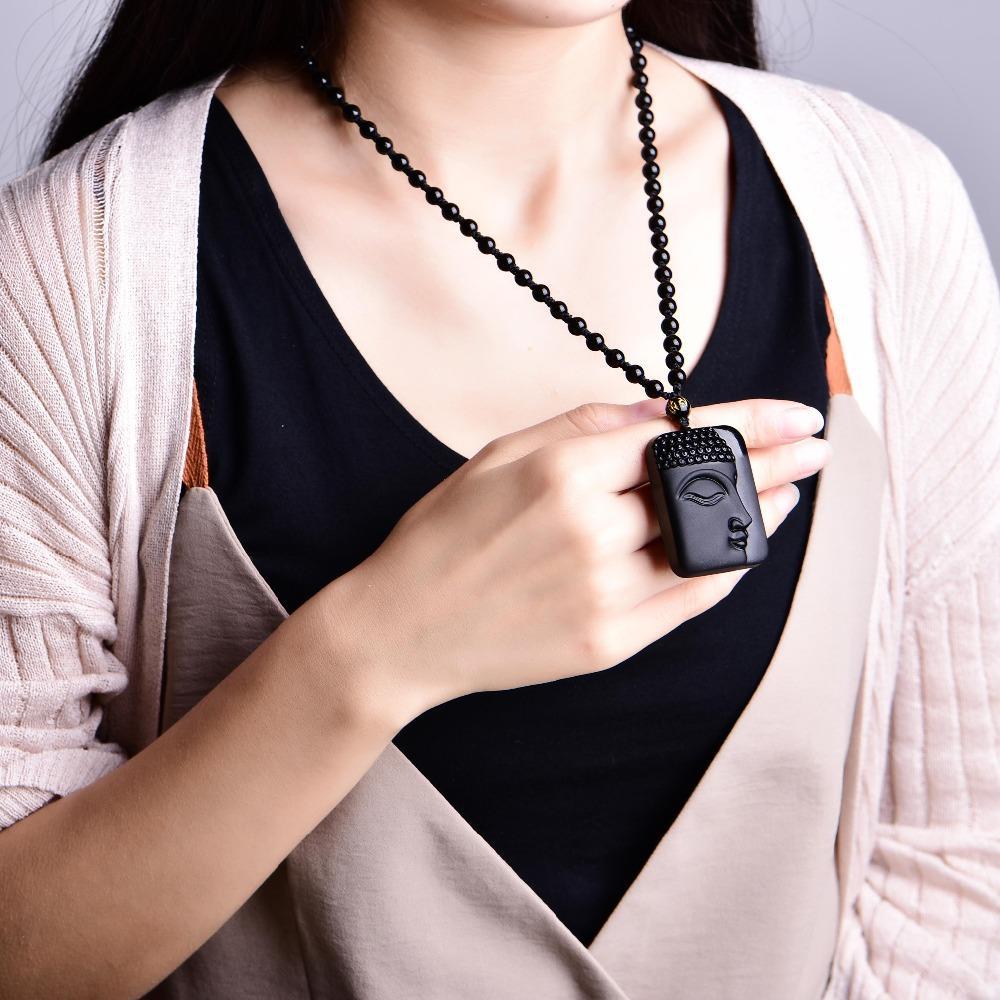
[701, 479]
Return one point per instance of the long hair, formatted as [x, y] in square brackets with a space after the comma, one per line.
[149, 47]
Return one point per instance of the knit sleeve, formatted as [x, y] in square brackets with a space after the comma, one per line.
[926, 923]
[57, 616]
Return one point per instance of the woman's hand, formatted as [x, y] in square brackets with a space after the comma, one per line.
[541, 557]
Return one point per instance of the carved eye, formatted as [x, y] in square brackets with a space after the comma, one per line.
[705, 501]
[711, 492]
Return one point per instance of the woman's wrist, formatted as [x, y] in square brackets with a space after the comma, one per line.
[354, 678]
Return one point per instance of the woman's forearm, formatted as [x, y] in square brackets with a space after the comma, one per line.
[108, 890]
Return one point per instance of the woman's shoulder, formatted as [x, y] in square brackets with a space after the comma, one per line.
[100, 211]
[822, 120]
[876, 185]
[146, 152]
[92, 239]
[52, 214]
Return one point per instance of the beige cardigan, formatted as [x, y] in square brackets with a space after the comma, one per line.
[97, 295]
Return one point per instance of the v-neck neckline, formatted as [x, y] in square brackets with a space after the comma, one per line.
[290, 260]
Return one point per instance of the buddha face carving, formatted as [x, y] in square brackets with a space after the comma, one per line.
[706, 500]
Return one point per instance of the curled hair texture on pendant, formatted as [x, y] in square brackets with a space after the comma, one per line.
[691, 446]
[150, 47]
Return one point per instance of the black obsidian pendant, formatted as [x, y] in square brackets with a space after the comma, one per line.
[706, 500]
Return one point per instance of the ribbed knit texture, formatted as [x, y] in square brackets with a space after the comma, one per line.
[97, 256]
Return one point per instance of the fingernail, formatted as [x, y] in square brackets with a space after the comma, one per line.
[789, 497]
[798, 421]
[811, 454]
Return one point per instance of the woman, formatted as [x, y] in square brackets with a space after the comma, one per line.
[317, 704]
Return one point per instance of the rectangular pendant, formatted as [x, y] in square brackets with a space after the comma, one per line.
[706, 500]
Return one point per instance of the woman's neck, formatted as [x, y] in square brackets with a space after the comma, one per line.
[522, 120]
[463, 88]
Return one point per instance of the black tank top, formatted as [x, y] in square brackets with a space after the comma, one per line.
[572, 782]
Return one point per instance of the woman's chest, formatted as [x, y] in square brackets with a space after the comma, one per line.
[461, 346]
[316, 277]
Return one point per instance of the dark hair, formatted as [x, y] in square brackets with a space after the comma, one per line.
[150, 47]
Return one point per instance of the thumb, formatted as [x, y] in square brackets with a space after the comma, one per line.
[585, 419]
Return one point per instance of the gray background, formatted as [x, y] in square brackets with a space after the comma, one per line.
[932, 64]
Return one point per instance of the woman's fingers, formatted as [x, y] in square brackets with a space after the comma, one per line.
[614, 460]
[785, 463]
[660, 596]
[775, 505]
[632, 515]
[630, 519]
[581, 421]
[762, 422]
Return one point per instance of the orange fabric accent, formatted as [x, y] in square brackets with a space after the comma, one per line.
[836, 370]
[196, 459]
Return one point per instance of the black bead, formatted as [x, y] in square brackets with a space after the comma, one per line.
[676, 378]
[634, 373]
[675, 359]
[577, 325]
[661, 258]
[310, 63]
[658, 239]
[614, 358]
[351, 112]
[450, 210]
[643, 100]
[654, 388]
[324, 81]
[640, 80]
[638, 61]
[657, 223]
[671, 343]
[669, 325]
[646, 134]
[654, 204]
[418, 178]
[505, 262]
[663, 274]
[629, 31]
[650, 170]
[645, 117]
[302, 48]
[486, 244]
[667, 307]
[540, 293]
[595, 341]
[367, 128]
[384, 145]
[434, 195]
[665, 290]
[558, 309]
[523, 277]
[652, 188]
[399, 161]
[468, 227]
[636, 44]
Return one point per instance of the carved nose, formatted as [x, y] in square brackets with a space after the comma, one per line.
[735, 524]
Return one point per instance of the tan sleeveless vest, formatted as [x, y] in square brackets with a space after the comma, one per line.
[394, 896]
